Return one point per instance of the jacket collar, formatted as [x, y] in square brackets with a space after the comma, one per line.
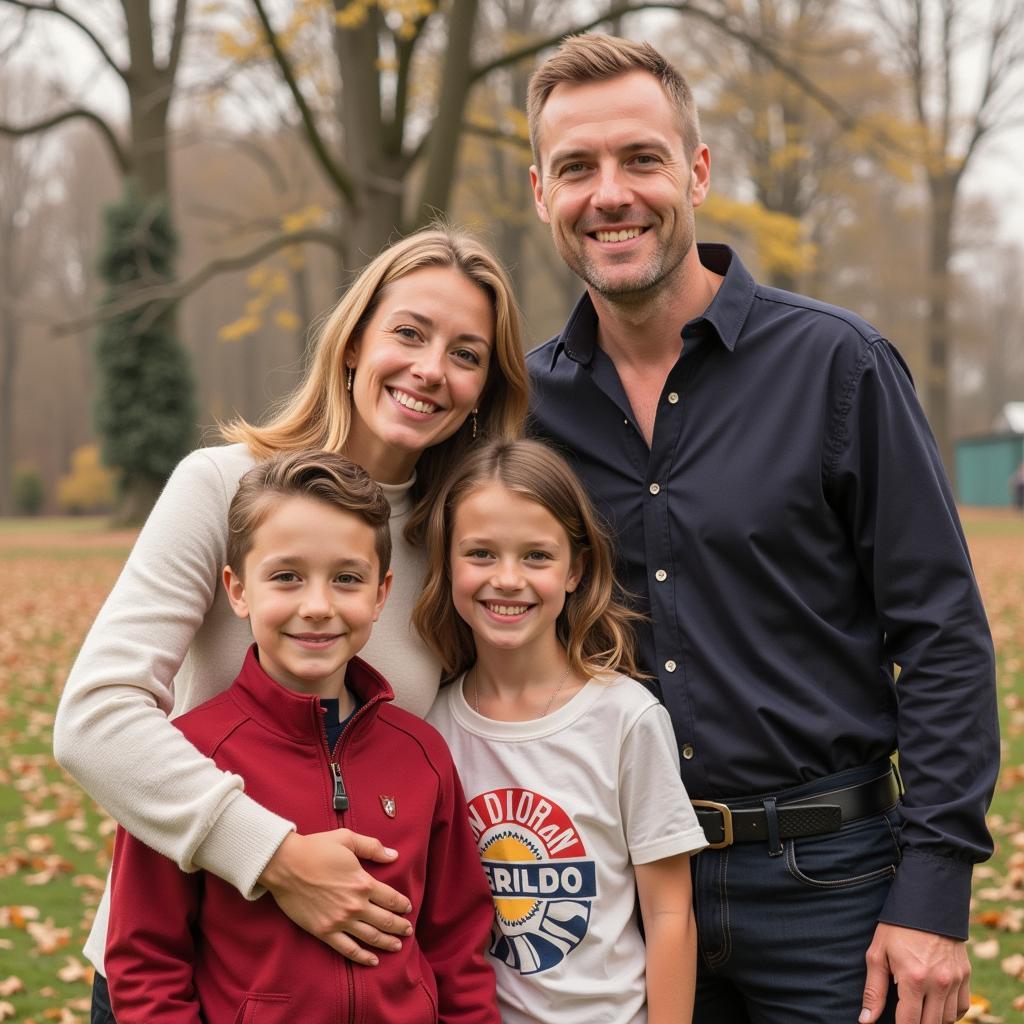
[725, 316]
[298, 715]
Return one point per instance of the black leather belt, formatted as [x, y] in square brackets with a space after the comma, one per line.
[813, 815]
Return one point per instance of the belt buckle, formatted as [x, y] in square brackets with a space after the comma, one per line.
[726, 813]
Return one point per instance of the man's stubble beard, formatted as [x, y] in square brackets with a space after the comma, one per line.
[645, 285]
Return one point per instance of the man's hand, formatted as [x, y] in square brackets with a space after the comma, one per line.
[932, 972]
[319, 883]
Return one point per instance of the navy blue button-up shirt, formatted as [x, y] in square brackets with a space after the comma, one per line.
[792, 536]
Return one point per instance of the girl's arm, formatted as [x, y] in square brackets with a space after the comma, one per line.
[667, 910]
[113, 735]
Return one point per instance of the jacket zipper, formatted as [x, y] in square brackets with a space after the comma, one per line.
[340, 802]
[340, 796]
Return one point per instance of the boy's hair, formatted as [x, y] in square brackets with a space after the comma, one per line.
[594, 58]
[594, 626]
[323, 476]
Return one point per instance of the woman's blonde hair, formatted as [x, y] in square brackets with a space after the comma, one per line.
[317, 415]
[595, 627]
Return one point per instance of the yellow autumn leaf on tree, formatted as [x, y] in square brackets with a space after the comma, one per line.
[778, 237]
[240, 328]
[352, 15]
[303, 218]
[287, 320]
[256, 276]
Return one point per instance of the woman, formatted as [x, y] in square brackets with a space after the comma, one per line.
[420, 358]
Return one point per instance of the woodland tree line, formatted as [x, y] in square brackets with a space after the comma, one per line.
[164, 254]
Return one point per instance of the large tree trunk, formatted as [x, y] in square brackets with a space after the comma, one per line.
[377, 168]
[150, 89]
[446, 131]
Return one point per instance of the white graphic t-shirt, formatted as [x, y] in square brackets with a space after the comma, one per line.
[561, 808]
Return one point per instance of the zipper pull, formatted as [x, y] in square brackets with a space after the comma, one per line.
[340, 796]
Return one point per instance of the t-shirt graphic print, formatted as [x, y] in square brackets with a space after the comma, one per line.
[542, 880]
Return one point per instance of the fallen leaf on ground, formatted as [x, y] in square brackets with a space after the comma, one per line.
[47, 936]
[75, 970]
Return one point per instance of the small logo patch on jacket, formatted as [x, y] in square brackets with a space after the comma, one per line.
[389, 805]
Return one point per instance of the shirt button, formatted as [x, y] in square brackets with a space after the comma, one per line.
[688, 751]
[661, 575]
[654, 488]
[672, 398]
[670, 666]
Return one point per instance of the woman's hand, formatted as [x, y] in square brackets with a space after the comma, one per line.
[319, 883]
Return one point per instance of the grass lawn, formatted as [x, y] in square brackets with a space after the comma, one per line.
[55, 844]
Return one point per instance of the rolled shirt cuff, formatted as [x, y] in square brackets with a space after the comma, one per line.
[930, 894]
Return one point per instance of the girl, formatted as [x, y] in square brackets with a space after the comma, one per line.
[570, 766]
[419, 361]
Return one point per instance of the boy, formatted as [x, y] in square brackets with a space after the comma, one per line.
[308, 726]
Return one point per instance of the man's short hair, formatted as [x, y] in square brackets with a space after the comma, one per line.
[322, 476]
[594, 58]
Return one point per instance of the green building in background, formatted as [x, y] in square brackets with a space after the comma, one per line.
[986, 463]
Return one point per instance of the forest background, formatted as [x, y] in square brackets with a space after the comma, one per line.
[186, 186]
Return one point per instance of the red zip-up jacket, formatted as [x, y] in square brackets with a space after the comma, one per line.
[189, 949]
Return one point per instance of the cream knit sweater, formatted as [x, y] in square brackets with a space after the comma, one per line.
[164, 642]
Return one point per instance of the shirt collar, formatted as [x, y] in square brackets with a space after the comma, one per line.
[297, 714]
[726, 315]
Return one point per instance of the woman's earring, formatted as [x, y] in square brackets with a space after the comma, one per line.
[348, 378]
[473, 422]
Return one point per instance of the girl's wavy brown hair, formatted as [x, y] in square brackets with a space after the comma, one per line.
[595, 626]
[318, 415]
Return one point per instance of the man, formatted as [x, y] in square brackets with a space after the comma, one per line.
[781, 513]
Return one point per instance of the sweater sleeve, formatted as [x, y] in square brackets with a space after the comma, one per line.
[112, 729]
[455, 920]
[150, 946]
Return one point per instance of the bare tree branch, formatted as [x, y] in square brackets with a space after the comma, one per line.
[715, 19]
[456, 81]
[498, 134]
[54, 8]
[117, 149]
[174, 291]
[256, 151]
[404, 50]
[177, 38]
[334, 170]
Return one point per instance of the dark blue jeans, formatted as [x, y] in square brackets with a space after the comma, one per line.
[101, 1011]
[782, 933]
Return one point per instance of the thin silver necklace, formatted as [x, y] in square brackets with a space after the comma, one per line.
[547, 707]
